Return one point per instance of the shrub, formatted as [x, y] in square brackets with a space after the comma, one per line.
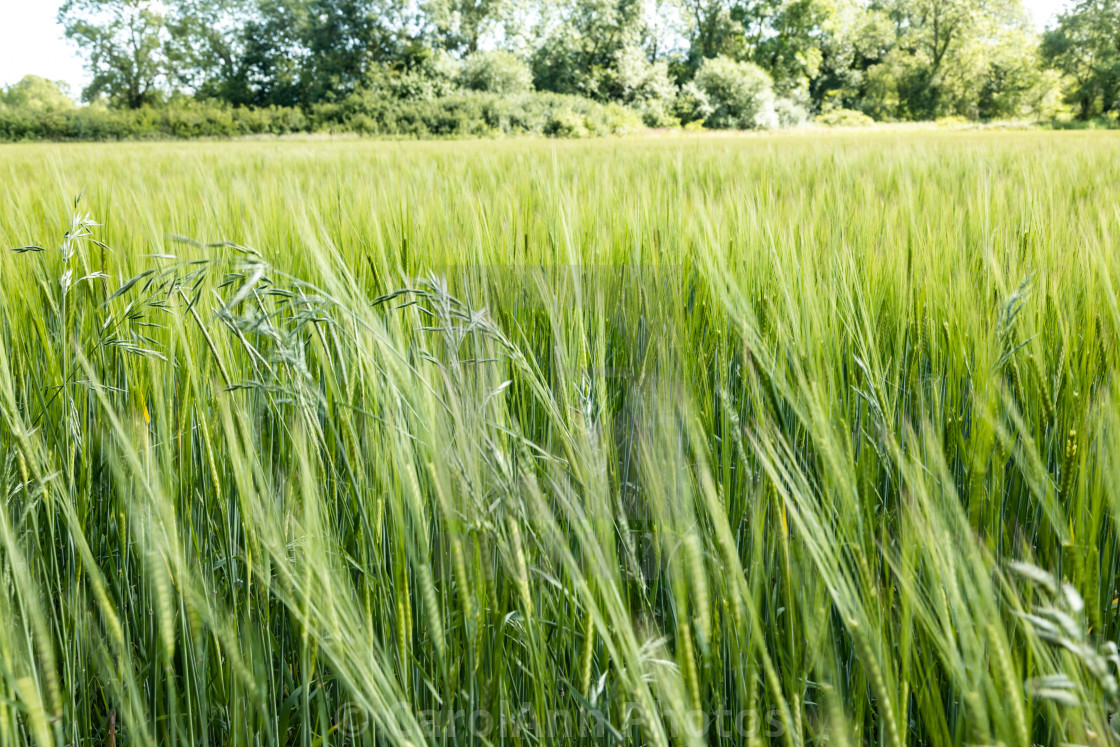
[1045, 101]
[952, 120]
[273, 120]
[692, 104]
[496, 72]
[644, 86]
[740, 94]
[790, 112]
[434, 75]
[36, 94]
[557, 115]
[369, 112]
[1097, 123]
[612, 119]
[844, 118]
[565, 123]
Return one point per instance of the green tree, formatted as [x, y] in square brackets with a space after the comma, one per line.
[582, 42]
[1085, 46]
[713, 27]
[298, 52]
[275, 68]
[784, 37]
[349, 40]
[206, 46]
[123, 42]
[496, 72]
[459, 25]
[740, 94]
[33, 93]
[643, 85]
[854, 37]
[940, 57]
[790, 43]
[1015, 83]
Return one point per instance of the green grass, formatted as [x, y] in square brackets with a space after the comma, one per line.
[478, 442]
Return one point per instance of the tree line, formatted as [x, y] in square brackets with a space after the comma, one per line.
[724, 63]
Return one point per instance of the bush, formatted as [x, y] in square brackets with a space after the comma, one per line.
[36, 94]
[844, 118]
[366, 113]
[496, 72]
[952, 120]
[463, 114]
[791, 113]
[273, 120]
[740, 94]
[433, 75]
[1097, 123]
[692, 104]
[1045, 101]
[644, 86]
[177, 119]
[565, 123]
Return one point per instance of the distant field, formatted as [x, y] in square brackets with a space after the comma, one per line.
[764, 440]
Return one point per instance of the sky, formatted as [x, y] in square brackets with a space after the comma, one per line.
[31, 41]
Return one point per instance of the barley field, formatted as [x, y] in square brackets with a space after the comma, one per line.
[750, 440]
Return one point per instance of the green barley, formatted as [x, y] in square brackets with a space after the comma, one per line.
[608, 429]
[587, 655]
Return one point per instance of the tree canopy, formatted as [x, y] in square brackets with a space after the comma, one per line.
[667, 59]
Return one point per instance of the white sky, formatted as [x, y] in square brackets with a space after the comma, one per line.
[31, 41]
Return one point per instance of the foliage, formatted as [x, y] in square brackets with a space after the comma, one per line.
[461, 24]
[477, 114]
[1016, 84]
[176, 119]
[692, 104]
[433, 75]
[714, 28]
[1085, 46]
[891, 59]
[123, 40]
[35, 94]
[583, 44]
[456, 115]
[496, 72]
[205, 50]
[792, 111]
[643, 86]
[844, 118]
[739, 94]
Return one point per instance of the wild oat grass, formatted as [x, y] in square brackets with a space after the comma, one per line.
[747, 440]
